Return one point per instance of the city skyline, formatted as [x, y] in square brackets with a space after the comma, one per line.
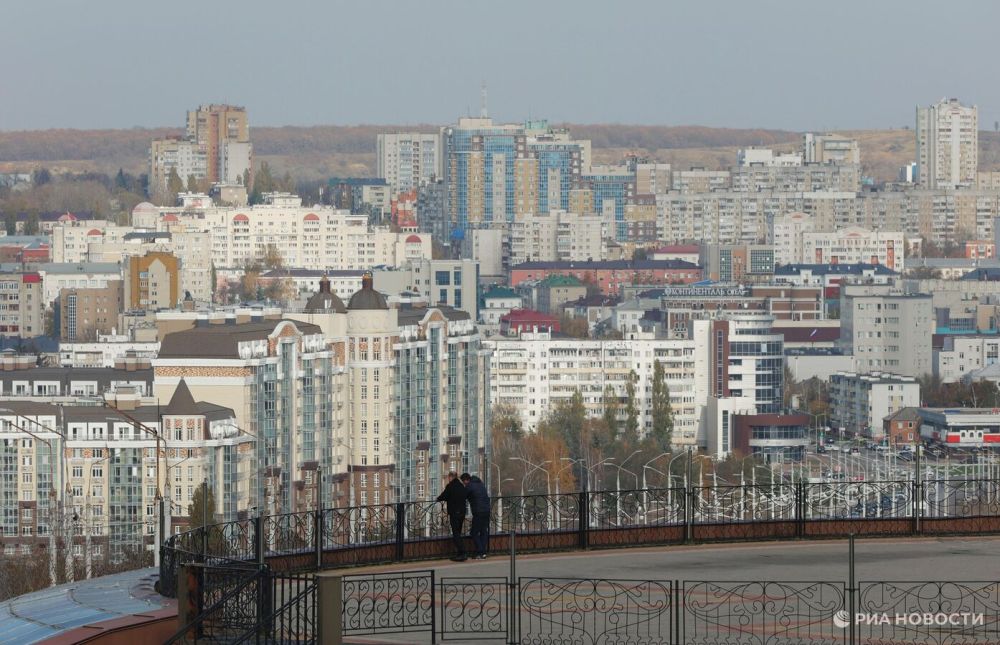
[750, 66]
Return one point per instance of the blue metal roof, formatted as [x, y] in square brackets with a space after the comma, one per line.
[36, 616]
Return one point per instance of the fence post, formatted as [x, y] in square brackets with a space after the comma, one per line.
[400, 529]
[851, 591]
[330, 598]
[917, 494]
[318, 537]
[583, 535]
[513, 600]
[258, 539]
[204, 543]
[434, 611]
[688, 501]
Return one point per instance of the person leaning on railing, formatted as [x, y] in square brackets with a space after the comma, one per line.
[479, 502]
[454, 495]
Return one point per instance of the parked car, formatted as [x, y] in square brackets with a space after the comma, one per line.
[905, 454]
[820, 449]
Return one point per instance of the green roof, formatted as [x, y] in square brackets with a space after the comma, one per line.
[562, 281]
[500, 292]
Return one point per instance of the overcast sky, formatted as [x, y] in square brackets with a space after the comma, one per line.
[796, 64]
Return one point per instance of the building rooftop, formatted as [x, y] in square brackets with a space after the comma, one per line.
[83, 267]
[904, 414]
[561, 281]
[877, 377]
[147, 235]
[411, 315]
[500, 293]
[608, 265]
[678, 248]
[367, 298]
[222, 341]
[834, 269]
[45, 614]
[313, 273]
[519, 315]
[808, 334]
[324, 300]
[982, 274]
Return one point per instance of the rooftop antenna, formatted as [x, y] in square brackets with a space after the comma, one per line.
[483, 114]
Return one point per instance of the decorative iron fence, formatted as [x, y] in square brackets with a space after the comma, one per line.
[544, 611]
[420, 530]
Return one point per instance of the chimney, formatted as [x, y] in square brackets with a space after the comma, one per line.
[324, 285]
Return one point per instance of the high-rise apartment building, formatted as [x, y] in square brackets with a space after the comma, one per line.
[225, 132]
[947, 145]
[496, 172]
[408, 160]
[216, 148]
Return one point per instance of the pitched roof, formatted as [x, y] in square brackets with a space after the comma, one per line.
[222, 341]
[904, 414]
[181, 403]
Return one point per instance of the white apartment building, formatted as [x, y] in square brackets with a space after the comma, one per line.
[535, 372]
[188, 158]
[767, 157]
[556, 236]
[960, 356]
[886, 329]
[861, 401]
[787, 235]
[71, 238]
[853, 245]
[408, 159]
[947, 145]
[319, 237]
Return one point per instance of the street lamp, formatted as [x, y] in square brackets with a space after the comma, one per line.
[548, 489]
[590, 470]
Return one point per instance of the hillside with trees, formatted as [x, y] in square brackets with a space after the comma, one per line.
[317, 152]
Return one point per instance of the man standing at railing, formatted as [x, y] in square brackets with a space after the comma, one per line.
[454, 495]
[479, 502]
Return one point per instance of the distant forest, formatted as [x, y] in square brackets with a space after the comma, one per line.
[64, 145]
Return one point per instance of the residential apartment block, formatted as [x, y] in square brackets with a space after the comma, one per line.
[407, 160]
[317, 237]
[947, 145]
[860, 402]
[886, 329]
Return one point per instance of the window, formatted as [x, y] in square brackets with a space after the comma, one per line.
[441, 278]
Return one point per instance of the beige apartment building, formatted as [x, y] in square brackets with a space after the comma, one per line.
[947, 145]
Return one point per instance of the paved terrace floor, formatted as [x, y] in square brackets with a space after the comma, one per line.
[908, 559]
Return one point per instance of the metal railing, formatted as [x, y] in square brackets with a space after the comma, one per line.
[420, 530]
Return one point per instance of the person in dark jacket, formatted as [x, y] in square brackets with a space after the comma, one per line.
[454, 495]
[479, 502]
